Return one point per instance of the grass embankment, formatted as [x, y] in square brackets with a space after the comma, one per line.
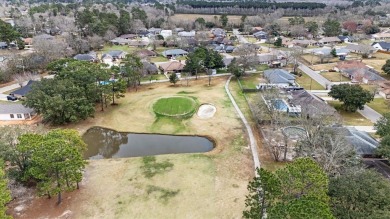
[350, 118]
[175, 106]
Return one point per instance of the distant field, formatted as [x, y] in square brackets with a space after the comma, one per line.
[208, 17]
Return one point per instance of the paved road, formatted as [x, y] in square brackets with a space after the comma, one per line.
[364, 128]
[240, 38]
[252, 139]
[370, 114]
[317, 77]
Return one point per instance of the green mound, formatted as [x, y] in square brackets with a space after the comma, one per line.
[175, 106]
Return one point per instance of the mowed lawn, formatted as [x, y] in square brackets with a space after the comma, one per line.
[124, 48]
[380, 105]
[335, 76]
[174, 106]
[308, 83]
[350, 118]
[250, 81]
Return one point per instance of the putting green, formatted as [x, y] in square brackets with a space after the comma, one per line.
[175, 106]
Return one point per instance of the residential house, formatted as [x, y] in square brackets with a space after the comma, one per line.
[360, 49]
[383, 46]
[326, 51]
[280, 77]
[172, 67]
[358, 72]
[15, 111]
[120, 41]
[144, 53]
[107, 59]
[218, 32]
[138, 43]
[23, 91]
[261, 36]
[149, 68]
[311, 105]
[128, 36]
[329, 40]
[256, 29]
[381, 36]
[166, 33]
[178, 29]
[27, 41]
[345, 39]
[270, 59]
[154, 31]
[3, 45]
[229, 49]
[384, 89]
[303, 43]
[117, 54]
[174, 53]
[361, 141]
[190, 34]
[86, 57]
[143, 33]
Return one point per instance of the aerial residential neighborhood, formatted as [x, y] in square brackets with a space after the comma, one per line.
[195, 109]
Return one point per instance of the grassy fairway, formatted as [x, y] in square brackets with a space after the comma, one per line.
[350, 118]
[174, 106]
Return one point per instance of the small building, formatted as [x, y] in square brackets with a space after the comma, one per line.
[311, 105]
[383, 46]
[329, 40]
[117, 54]
[280, 77]
[345, 39]
[218, 32]
[303, 43]
[138, 43]
[360, 49]
[189, 34]
[120, 41]
[174, 53]
[128, 36]
[85, 57]
[144, 53]
[261, 36]
[23, 91]
[15, 111]
[154, 31]
[172, 67]
[166, 33]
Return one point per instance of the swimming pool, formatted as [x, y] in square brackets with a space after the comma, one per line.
[279, 105]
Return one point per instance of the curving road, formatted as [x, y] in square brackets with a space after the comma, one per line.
[252, 139]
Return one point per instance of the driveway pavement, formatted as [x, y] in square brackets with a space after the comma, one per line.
[317, 77]
[370, 114]
[240, 38]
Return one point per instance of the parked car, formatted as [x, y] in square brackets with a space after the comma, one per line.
[11, 97]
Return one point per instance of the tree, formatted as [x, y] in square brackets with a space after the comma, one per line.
[59, 101]
[247, 56]
[386, 67]
[331, 27]
[57, 162]
[278, 42]
[361, 194]
[224, 20]
[8, 33]
[296, 21]
[297, 191]
[194, 63]
[350, 26]
[382, 126]
[354, 97]
[235, 69]
[132, 70]
[5, 194]
[333, 52]
[312, 27]
[173, 78]
[124, 22]
[384, 147]
[118, 89]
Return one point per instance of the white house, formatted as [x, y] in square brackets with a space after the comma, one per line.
[384, 46]
[166, 33]
[15, 111]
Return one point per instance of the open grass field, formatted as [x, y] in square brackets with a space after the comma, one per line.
[335, 77]
[349, 118]
[321, 67]
[308, 83]
[380, 105]
[250, 81]
[174, 106]
[209, 185]
[375, 63]
[236, 19]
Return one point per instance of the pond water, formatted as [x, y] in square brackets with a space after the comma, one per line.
[106, 143]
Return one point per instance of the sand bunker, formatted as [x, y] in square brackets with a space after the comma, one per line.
[206, 111]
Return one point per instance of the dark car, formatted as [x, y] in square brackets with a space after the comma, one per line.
[11, 97]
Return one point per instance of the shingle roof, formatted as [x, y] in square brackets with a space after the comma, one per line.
[172, 66]
[14, 108]
[174, 52]
[24, 90]
[361, 141]
[84, 57]
[311, 104]
[384, 45]
[277, 76]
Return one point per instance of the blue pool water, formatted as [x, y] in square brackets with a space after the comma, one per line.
[279, 105]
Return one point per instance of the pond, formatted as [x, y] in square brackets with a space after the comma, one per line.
[107, 143]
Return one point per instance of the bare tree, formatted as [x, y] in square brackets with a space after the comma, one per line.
[247, 56]
[19, 78]
[50, 49]
[96, 42]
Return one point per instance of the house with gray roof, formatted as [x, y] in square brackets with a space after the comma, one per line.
[188, 34]
[218, 32]
[15, 111]
[117, 54]
[363, 143]
[360, 48]
[280, 77]
[23, 91]
[384, 46]
[3, 45]
[174, 53]
[85, 57]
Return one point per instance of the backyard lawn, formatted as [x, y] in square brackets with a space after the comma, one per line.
[335, 77]
[308, 83]
[250, 81]
[158, 59]
[380, 105]
[313, 59]
[119, 47]
[349, 118]
[321, 67]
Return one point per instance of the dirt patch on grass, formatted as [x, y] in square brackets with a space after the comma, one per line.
[211, 185]
[206, 111]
